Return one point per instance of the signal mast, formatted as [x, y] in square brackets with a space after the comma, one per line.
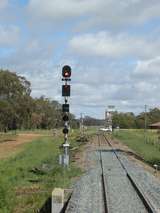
[66, 91]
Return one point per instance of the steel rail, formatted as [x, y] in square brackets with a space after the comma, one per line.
[149, 207]
[103, 180]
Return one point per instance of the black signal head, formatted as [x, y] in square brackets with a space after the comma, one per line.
[65, 130]
[66, 71]
[65, 118]
[66, 90]
[65, 108]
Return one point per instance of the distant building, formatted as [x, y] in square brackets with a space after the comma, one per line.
[155, 125]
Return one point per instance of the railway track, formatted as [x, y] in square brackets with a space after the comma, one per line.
[113, 184]
[104, 190]
[131, 188]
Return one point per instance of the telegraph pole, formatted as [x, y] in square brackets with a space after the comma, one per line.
[82, 126]
[145, 124]
[66, 88]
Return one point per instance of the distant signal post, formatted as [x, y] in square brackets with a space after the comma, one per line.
[66, 92]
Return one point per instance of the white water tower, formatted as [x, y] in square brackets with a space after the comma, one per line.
[108, 117]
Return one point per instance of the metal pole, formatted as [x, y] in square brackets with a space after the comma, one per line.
[145, 124]
[66, 144]
[66, 73]
[81, 126]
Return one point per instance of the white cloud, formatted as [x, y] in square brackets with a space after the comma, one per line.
[97, 87]
[105, 67]
[124, 13]
[34, 60]
[114, 46]
[148, 69]
[9, 35]
[60, 9]
[97, 12]
[31, 55]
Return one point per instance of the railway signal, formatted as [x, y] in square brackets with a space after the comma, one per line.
[65, 118]
[66, 71]
[66, 91]
[65, 130]
[65, 108]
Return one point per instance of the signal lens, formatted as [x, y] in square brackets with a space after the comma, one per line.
[66, 71]
[66, 90]
[65, 131]
[65, 118]
[65, 107]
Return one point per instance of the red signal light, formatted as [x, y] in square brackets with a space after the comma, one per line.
[66, 71]
[66, 74]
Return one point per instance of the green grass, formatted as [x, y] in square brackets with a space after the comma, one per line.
[92, 130]
[16, 175]
[134, 139]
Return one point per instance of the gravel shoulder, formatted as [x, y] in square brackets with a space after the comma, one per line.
[132, 156]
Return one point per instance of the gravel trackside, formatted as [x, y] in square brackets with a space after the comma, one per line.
[121, 196]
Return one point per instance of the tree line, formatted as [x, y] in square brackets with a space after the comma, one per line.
[18, 110]
[130, 120]
[127, 120]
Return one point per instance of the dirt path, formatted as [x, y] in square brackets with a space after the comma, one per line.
[10, 148]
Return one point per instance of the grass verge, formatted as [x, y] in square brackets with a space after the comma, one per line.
[27, 179]
[149, 150]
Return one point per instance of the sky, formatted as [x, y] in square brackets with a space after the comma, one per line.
[113, 47]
